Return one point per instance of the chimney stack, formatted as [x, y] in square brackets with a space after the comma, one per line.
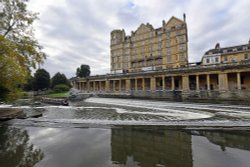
[217, 46]
[184, 17]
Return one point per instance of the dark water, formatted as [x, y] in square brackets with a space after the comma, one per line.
[128, 146]
[126, 133]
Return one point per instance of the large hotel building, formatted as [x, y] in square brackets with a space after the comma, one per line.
[150, 49]
[154, 63]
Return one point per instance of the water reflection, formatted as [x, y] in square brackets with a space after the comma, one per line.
[151, 147]
[15, 149]
[120, 146]
[232, 139]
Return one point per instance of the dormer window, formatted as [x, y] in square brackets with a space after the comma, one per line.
[235, 49]
[207, 60]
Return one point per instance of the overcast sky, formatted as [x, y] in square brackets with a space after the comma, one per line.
[75, 32]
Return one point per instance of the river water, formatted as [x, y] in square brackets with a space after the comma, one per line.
[106, 132]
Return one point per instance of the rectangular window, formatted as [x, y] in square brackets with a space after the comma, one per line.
[245, 48]
[168, 35]
[168, 44]
[246, 56]
[225, 58]
[159, 61]
[207, 60]
[180, 39]
[159, 38]
[159, 45]
[216, 59]
[181, 48]
[169, 51]
[182, 57]
[178, 32]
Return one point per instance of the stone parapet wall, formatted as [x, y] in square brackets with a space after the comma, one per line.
[238, 95]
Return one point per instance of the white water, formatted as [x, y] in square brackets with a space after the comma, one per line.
[112, 111]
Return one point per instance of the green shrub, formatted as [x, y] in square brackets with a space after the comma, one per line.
[60, 88]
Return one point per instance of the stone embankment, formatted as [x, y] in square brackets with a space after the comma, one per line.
[10, 113]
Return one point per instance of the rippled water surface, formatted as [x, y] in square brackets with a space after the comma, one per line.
[105, 132]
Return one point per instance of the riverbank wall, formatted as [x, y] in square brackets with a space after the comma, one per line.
[237, 95]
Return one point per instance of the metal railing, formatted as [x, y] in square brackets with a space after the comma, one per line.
[191, 67]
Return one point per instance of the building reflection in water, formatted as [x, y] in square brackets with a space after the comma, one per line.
[151, 147]
[15, 149]
[232, 139]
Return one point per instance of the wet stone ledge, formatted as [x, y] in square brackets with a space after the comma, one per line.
[10, 113]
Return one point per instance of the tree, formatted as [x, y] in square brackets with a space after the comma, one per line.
[19, 51]
[15, 142]
[83, 71]
[59, 78]
[41, 80]
[29, 84]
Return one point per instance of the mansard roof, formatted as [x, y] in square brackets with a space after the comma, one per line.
[227, 50]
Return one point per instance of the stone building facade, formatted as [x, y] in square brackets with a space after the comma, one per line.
[223, 72]
[227, 55]
[150, 49]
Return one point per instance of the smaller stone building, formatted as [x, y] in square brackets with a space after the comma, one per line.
[227, 55]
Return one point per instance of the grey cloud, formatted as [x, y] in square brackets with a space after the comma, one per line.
[78, 32]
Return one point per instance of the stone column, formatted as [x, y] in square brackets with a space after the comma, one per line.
[83, 87]
[238, 81]
[223, 82]
[107, 85]
[80, 86]
[163, 83]
[120, 85]
[77, 85]
[94, 86]
[100, 85]
[197, 83]
[136, 84]
[88, 86]
[128, 85]
[172, 83]
[208, 82]
[152, 84]
[185, 83]
[143, 84]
